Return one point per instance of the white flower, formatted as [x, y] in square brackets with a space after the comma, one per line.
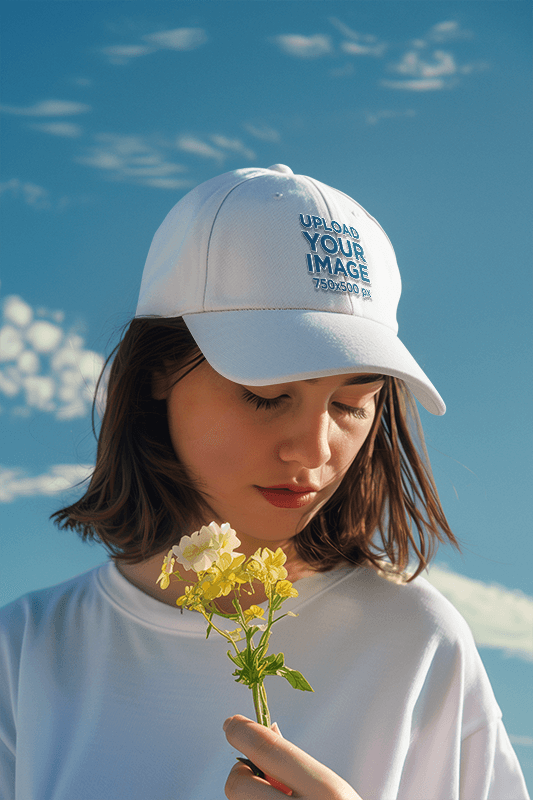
[202, 548]
[196, 552]
[224, 536]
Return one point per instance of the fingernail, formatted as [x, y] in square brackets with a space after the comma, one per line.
[226, 723]
[275, 727]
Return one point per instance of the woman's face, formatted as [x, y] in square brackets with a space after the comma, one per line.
[267, 457]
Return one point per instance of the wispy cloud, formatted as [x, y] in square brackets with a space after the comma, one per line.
[358, 44]
[68, 130]
[48, 108]
[418, 84]
[181, 39]
[522, 741]
[194, 145]
[294, 44]
[447, 31]
[424, 75]
[150, 160]
[178, 38]
[263, 132]
[37, 197]
[234, 145]
[30, 193]
[16, 483]
[355, 43]
[43, 366]
[124, 53]
[373, 117]
[498, 617]
[135, 159]
[358, 49]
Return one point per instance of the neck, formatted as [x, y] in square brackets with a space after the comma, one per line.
[145, 574]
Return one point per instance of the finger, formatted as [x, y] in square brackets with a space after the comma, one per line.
[242, 784]
[278, 757]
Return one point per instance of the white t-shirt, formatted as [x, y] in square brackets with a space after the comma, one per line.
[109, 694]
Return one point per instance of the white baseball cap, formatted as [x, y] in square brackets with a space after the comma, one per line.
[281, 278]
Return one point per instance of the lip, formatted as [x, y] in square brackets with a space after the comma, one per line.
[288, 495]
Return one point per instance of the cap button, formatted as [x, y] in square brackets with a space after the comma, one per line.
[281, 168]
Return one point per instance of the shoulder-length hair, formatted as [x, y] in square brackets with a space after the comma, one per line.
[140, 499]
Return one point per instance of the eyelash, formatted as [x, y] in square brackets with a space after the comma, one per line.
[270, 404]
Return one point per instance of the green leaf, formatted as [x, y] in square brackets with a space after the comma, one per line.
[295, 678]
[270, 665]
[237, 658]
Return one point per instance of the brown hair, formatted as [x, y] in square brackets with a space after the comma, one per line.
[140, 496]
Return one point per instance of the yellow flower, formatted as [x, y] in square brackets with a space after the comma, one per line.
[166, 570]
[267, 566]
[224, 576]
[254, 612]
[191, 598]
[285, 589]
[235, 635]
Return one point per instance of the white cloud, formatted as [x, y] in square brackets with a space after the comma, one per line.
[447, 31]
[44, 336]
[123, 53]
[432, 72]
[233, 144]
[373, 117]
[360, 44]
[523, 741]
[181, 39]
[422, 74]
[357, 49]
[303, 46]
[190, 144]
[417, 85]
[498, 617]
[17, 311]
[134, 159]
[263, 132]
[48, 108]
[412, 64]
[178, 38]
[42, 365]
[67, 130]
[31, 194]
[15, 483]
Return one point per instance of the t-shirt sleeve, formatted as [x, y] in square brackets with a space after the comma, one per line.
[489, 766]
[10, 617]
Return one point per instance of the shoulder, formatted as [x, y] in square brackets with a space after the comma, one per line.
[36, 610]
[413, 608]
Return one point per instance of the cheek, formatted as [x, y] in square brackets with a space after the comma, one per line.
[210, 444]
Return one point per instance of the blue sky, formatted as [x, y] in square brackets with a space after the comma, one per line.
[111, 111]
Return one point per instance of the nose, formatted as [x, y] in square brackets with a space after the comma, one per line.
[307, 440]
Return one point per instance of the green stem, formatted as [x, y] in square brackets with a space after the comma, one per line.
[225, 635]
[260, 703]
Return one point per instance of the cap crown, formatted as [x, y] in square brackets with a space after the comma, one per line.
[268, 239]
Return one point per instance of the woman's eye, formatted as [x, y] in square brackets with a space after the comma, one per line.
[262, 402]
[274, 402]
[359, 413]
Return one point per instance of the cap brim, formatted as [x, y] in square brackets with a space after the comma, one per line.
[262, 347]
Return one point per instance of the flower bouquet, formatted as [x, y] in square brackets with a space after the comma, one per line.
[210, 553]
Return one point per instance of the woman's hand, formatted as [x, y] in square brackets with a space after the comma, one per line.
[307, 777]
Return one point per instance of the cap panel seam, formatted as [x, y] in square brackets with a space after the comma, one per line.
[244, 180]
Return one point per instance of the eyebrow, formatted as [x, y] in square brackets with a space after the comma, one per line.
[357, 379]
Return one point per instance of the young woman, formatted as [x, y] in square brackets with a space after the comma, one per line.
[262, 383]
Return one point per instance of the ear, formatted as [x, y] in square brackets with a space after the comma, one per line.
[160, 386]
